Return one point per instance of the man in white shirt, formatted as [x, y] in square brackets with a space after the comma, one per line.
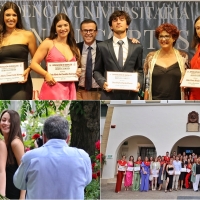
[55, 170]
[177, 168]
[118, 54]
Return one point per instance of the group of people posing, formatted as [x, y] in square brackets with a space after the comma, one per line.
[176, 171]
[164, 69]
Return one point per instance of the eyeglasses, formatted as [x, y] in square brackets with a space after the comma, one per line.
[88, 31]
[166, 37]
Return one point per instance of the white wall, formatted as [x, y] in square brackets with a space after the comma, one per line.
[163, 124]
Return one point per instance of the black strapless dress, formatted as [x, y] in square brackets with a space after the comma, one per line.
[11, 191]
[16, 91]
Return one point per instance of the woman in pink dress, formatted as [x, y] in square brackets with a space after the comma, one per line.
[60, 46]
[129, 173]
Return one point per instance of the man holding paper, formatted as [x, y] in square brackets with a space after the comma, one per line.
[114, 58]
[177, 168]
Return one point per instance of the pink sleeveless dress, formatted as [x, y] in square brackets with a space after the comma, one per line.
[61, 90]
[129, 176]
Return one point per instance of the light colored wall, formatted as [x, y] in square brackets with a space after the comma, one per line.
[163, 124]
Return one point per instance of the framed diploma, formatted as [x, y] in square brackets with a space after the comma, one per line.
[183, 169]
[121, 168]
[177, 172]
[191, 78]
[136, 168]
[11, 72]
[188, 170]
[122, 80]
[130, 169]
[63, 71]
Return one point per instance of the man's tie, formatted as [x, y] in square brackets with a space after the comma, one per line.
[120, 54]
[88, 75]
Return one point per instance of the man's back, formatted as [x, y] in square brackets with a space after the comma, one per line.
[54, 171]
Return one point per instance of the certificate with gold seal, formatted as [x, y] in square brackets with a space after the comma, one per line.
[122, 80]
[191, 78]
[63, 71]
[11, 72]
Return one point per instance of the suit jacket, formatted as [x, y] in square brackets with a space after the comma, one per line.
[107, 61]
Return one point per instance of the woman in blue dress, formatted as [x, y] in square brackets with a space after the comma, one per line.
[145, 172]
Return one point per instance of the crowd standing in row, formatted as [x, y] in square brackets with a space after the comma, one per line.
[95, 58]
[176, 171]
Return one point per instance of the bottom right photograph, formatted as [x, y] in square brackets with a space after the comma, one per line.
[150, 150]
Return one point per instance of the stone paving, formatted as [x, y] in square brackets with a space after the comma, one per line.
[108, 192]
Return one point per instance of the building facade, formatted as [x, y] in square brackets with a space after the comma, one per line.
[147, 129]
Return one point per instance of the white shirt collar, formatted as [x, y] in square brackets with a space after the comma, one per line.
[125, 40]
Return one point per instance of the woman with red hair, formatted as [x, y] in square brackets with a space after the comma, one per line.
[165, 68]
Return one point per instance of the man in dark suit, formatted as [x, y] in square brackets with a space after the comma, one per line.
[87, 88]
[108, 56]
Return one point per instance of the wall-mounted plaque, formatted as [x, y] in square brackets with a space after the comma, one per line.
[193, 122]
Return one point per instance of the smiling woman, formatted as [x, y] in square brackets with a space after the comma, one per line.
[60, 46]
[10, 129]
[15, 45]
[165, 68]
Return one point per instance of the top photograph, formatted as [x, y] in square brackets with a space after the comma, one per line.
[99, 50]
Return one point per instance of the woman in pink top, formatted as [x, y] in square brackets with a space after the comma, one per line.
[60, 46]
[129, 173]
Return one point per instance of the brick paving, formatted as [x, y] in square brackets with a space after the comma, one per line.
[108, 192]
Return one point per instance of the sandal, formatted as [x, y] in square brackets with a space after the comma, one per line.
[165, 191]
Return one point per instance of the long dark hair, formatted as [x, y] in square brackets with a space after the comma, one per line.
[196, 39]
[6, 6]
[70, 38]
[15, 132]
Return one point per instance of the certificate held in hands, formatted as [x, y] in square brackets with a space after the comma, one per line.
[191, 78]
[122, 80]
[63, 71]
[11, 72]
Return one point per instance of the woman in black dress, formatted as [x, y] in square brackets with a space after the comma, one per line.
[169, 175]
[183, 174]
[10, 129]
[165, 68]
[15, 45]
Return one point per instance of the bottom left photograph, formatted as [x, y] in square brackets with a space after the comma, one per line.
[50, 149]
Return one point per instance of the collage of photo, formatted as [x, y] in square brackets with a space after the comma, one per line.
[99, 99]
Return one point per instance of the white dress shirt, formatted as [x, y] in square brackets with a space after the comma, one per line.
[124, 46]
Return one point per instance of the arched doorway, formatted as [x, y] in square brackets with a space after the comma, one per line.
[137, 146]
[188, 144]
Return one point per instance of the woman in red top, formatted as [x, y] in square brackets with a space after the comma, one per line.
[121, 171]
[195, 62]
[187, 177]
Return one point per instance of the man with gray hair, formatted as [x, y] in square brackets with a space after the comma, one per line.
[55, 170]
